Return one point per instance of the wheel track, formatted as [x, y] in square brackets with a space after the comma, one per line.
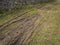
[19, 37]
[31, 33]
[27, 27]
[27, 34]
[25, 30]
[26, 20]
[8, 37]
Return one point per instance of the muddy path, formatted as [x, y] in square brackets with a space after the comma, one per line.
[20, 34]
[12, 35]
[26, 35]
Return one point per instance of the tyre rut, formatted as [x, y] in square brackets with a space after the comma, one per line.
[10, 35]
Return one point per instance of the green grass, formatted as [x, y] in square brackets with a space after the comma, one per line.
[49, 31]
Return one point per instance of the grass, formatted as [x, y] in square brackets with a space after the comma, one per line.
[49, 31]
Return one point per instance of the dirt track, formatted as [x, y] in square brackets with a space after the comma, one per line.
[20, 32]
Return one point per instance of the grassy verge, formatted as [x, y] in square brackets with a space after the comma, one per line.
[49, 31]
